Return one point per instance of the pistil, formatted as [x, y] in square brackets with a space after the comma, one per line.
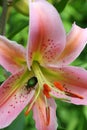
[38, 74]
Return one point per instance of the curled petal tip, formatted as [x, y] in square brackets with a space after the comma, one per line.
[76, 41]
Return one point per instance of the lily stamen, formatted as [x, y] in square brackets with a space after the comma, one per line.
[46, 90]
[33, 101]
[27, 111]
[47, 115]
[58, 85]
[71, 94]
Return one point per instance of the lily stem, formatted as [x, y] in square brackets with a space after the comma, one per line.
[3, 17]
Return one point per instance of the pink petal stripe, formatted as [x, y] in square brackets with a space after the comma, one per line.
[47, 36]
[73, 79]
[76, 41]
[12, 55]
[14, 96]
[39, 111]
[10, 86]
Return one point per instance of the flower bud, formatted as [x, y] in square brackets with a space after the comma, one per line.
[22, 6]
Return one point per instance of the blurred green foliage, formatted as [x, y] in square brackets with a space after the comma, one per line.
[70, 117]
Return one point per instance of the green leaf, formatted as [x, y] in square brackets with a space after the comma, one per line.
[1, 2]
[60, 5]
[2, 77]
[18, 123]
[18, 28]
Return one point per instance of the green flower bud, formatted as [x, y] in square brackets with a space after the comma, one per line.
[22, 6]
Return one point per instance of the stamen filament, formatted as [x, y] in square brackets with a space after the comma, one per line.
[38, 74]
[34, 100]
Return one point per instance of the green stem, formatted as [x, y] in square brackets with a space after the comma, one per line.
[3, 18]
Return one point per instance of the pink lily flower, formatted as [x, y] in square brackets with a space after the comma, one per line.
[41, 72]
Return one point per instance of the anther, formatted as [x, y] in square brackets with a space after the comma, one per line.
[46, 90]
[47, 115]
[59, 86]
[73, 95]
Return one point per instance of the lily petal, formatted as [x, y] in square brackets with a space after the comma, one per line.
[47, 36]
[74, 80]
[13, 98]
[12, 55]
[43, 120]
[76, 41]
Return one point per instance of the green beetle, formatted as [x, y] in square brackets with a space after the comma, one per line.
[31, 83]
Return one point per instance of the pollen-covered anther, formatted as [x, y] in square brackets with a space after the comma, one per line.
[46, 90]
[47, 115]
[71, 94]
[58, 86]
